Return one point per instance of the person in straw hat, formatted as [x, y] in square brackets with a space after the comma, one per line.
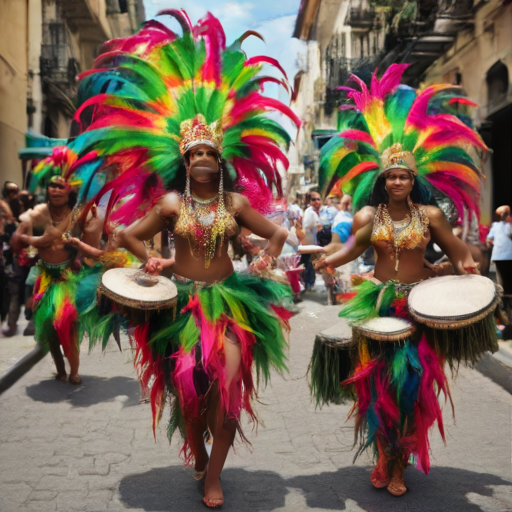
[186, 113]
[398, 151]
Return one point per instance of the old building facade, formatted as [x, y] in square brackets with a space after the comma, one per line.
[43, 45]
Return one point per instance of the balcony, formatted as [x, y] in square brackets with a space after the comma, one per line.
[360, 18]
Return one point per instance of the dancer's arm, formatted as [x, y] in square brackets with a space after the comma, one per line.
[133, 237]
[249, 218]
[456, 250]
[354, 247]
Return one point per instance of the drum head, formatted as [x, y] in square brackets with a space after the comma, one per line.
[452, 298]
[134, 288]
[385, 328]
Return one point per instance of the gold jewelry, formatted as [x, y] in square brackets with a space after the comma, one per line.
[405, 234]
[204, 222]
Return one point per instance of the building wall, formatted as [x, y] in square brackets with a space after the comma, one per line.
[473, 54]
[35, 31]
[13, 86]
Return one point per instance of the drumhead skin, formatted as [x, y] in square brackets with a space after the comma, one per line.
[134, 288]
[385, 328]
[452, 299]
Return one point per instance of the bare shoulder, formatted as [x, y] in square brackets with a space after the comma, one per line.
[363, 217]
[39, 216]
[435, 214]
[237, 202]
[169, 205]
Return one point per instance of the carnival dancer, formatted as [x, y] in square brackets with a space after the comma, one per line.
[43, 228]
[189, 111]
[396, 156]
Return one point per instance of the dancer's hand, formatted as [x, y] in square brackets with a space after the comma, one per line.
[262, 263]
[320, 263]
[71, 241]
[156, 265]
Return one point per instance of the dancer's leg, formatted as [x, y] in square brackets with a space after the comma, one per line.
[196, 427]
[397, 485]
[58, 359]
[223, 429]
[74, 361]
[380, 475]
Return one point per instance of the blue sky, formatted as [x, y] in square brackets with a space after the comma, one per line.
[273, 19]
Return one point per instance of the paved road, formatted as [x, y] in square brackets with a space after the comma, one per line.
[91, 448]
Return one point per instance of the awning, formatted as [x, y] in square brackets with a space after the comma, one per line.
[38, 146]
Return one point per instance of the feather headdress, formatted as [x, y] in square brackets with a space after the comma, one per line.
[392, 125]
[151, 94]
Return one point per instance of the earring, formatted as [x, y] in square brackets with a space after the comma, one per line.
[221, 187]
[187, 184]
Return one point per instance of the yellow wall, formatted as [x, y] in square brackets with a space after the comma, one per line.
[13, 86]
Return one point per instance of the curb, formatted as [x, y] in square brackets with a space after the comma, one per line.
[19, 369]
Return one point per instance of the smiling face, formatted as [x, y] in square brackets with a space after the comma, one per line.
[399, 183]
[315, 201]
[204, 163]
[58, 195]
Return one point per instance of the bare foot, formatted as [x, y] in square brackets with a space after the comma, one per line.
[75, 380]
[213, 496]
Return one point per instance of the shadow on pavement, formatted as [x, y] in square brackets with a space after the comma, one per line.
[173, 489]
[94, 390]
[444, 489]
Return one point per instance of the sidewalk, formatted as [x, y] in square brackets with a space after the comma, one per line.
[91, 448]
[14, 348]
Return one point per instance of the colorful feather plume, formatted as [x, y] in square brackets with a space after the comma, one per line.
[144, 86]
[433, 124]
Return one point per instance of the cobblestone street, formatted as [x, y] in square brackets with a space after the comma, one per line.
[91, 448]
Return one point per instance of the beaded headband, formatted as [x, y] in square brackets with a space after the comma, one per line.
[195, 132]
[395, 157]
[60, 181]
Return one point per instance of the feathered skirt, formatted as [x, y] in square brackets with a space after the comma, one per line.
[55, 314]
[397, 385]
[181, 352]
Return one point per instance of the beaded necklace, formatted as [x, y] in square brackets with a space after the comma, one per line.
[204, 223]
[404, 234]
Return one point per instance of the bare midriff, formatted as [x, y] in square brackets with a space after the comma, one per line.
[410, 270]
[192, 266]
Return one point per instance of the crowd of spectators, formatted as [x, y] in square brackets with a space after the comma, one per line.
[15, 281]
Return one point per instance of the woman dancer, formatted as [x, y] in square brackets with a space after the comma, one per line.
[396, 154]
[189, 111]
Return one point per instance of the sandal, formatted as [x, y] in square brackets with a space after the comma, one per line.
[61, 376]
[380, 476]
[397, 486]
[212, 502]
[75, 380]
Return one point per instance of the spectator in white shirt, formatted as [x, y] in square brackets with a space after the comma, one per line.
[500, 237]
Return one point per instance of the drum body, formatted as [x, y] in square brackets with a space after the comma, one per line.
[135, 289]
[457, 315]
[331, 363]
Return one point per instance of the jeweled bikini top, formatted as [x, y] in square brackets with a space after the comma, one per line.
[409, 233]
[207, 224]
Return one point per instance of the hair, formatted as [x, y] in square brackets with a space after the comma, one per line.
[420, 193]
[5, 190]
[179, 182]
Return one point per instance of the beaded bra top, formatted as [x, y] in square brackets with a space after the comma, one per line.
[206, 224]
[407, 234]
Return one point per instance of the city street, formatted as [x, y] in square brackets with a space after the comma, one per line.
[91, 448]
